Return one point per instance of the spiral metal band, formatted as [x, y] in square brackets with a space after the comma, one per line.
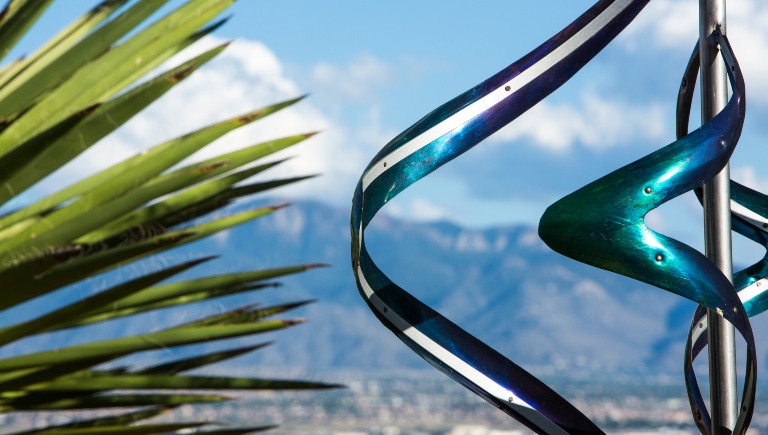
[749, 217]
[600, 224]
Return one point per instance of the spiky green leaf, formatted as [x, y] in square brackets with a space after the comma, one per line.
[17, 17]
[195, 362]
[104, 120]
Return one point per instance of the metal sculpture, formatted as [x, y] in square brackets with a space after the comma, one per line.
[600, 224]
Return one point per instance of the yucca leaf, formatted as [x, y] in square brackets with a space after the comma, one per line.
[236, 159]
[250, 189]
[51, 320]
[201, 285]
[12, 382]
[207, 229]
[117, 420]
[13, 162]
[155, 61]
[186, 364]
[175, 203]
[17, 17]
[30, 84]
[18, 272]
[91, 84]
[55, 104]
[103, 121]
[182, 27]
[170, 205]
[147, 429]
[241, 315]
[102, 177]
[176, 382]
[238, 431]
[64, 225]
[220, 200]
[167, 303]
[38, 276]
[18, 226]
[43, 401]
[147, 193]
[66, 38]
[125, 345]
[8, 71]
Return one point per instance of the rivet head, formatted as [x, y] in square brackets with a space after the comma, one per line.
[511, 399]
[507, 88]
[659, 257]
[735, 310]
[765, 225]
[758, 283]
[701, 324]
[386, 309]
[647, 190]
[385, 164]
[722, 143]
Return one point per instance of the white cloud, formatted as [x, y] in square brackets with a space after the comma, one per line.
[748, 176]
[673, 24]
[418, 209]
[356, 81]
[597, 123]
[668, 24]
[246, 76]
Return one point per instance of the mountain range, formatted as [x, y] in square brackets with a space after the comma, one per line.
[544, 311]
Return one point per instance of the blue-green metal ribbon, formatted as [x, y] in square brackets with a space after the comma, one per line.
[749, 217]
[602, 224]
[462, 123]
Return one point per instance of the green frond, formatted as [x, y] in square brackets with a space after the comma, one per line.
[59, 101]
[16, 19]
[195, 362]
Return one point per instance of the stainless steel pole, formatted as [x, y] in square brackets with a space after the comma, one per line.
[717, 226]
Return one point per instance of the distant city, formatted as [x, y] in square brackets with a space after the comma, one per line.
[428, 403]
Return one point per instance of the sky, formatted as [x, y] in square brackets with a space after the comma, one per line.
[374, 68]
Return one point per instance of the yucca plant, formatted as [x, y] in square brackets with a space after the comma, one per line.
[56, 103]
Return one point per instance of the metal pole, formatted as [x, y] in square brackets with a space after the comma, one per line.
[717, 226]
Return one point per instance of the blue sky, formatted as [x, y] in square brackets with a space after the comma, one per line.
[374, 68]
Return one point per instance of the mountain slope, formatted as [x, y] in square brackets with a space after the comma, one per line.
[504, 285]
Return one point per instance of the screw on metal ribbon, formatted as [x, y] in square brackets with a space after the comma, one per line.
[582, 225]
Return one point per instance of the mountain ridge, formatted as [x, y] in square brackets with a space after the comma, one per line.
[544, 311]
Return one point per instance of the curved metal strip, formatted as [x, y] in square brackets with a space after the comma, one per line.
[602, 224]
[439, 137]
[749, 208]
[749, 212]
